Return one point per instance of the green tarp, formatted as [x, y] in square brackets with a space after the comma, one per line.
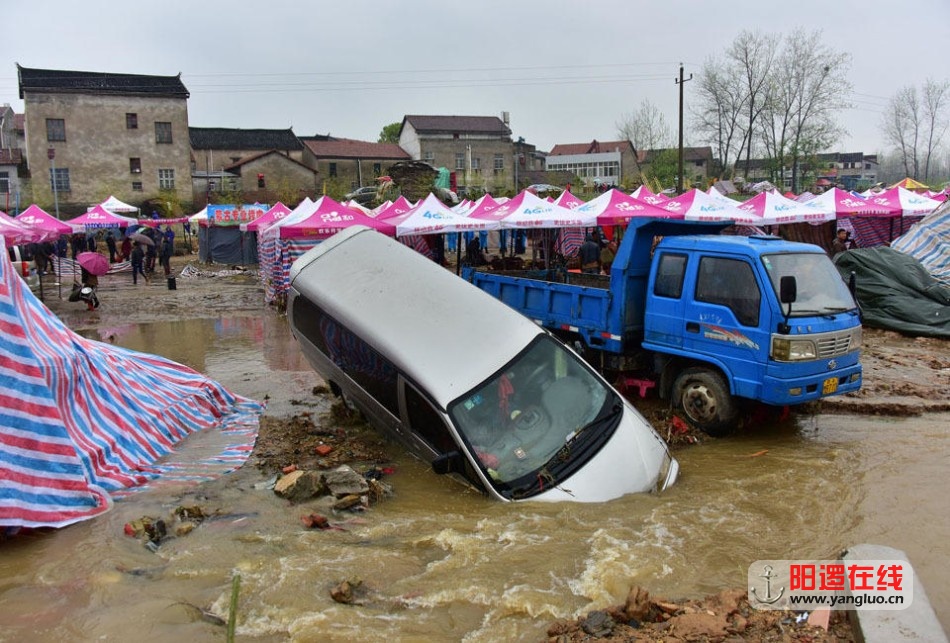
[896, 292]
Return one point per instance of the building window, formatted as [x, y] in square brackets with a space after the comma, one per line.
[61, 177]
[476, 165]
[460, 160]
[55, 129]
[131, 121]
[135, 165]
[166, 179]
[4, 182]
[332, 169]
[163, 132]
[429, 157]
[377, 169]
[136, 186]
[499, 164]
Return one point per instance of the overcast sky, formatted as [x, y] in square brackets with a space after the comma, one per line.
[566, 72]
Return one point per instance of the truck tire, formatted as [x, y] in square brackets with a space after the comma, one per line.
[702, 394]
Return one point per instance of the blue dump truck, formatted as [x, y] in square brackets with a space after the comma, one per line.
[711, 320]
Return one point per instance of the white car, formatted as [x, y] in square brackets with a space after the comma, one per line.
[26, 269]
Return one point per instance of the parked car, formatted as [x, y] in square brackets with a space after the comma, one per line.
[364, 196]
[465, 382]
[26, 269]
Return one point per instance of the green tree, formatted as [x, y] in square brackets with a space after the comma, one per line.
[390, 133]
[663, 169]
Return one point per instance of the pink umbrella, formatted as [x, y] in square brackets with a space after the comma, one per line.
[93, 262]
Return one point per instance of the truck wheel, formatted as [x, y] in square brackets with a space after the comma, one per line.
[704, 397]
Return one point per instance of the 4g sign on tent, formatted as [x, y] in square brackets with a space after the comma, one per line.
[227, 215]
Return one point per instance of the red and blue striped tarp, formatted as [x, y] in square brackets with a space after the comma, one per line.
[82, 421]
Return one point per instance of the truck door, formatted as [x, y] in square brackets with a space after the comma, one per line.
[663, 322]
[723, 320]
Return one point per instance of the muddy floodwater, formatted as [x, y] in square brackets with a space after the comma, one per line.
[441, 563]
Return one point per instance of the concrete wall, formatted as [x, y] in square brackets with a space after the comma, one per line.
[98, 147]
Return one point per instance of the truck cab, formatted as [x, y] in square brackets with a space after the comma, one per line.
[722, 327]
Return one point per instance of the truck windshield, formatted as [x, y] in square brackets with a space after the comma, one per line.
[538, 420]
[821, 291]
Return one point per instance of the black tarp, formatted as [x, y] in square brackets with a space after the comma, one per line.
[896, 292]
[221, 244]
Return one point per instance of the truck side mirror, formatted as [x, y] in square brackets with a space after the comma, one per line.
[788, 289]
[451, 462]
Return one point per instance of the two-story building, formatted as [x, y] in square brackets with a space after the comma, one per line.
[598, 163]
[351, 163]
[92, 134]
[478, 149]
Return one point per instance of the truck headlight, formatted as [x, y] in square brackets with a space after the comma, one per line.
[856, 339]
[786, 349]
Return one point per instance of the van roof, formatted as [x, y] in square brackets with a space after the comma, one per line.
[445, 333]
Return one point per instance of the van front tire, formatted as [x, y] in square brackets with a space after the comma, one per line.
[703, 396]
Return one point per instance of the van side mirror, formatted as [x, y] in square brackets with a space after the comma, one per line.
[451, 462]
[788, 289]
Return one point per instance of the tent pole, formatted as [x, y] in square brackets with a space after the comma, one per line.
[458, 253]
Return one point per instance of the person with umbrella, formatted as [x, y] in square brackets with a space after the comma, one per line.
[138, 260]
[93, 264]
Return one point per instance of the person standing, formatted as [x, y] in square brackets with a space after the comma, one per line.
[110, 243]
[590, 255]
[126, 248]
[138, 261]
[842, 243]
[165, 254]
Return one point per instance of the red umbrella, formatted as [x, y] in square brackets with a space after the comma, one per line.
[93, 262]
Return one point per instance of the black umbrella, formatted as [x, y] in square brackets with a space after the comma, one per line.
[141, 238]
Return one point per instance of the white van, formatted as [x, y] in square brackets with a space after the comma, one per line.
[464, 381]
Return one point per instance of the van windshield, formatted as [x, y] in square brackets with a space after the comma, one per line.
[538, 420]
[821, 290]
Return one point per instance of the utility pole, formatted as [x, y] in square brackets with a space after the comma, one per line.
[679, 81]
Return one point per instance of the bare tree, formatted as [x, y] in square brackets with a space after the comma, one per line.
[935, 107]
[902, 125]
[809, 83]
[718, 111]
[753, 55]
[646, 128]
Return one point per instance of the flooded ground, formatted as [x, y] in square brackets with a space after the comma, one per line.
[441, 563]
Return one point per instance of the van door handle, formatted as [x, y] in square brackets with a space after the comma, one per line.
[692, 327]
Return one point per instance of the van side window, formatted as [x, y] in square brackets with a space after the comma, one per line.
[364, 365]
[730, 283]
[426, 421]
[669, 276]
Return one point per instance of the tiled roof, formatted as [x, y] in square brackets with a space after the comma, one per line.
[19, 122]
[224, 138]
[345, 148]
[457, 124]
[594, 147]
[11, 156]
[253, 157]
[90, 82]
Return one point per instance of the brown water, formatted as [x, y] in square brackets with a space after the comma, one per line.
[441, 563]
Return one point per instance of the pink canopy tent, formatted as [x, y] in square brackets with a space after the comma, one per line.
[484, 208]
[14, 232]
[326, 219]
[613, 207]
[907, 202]
[836, 202]
[431, 216]
[99, 217]
[775, 209]
[643, 193]
[568, 200]
[398, 207]
[276, 213]
[527, 210]
[41, 221]
[696, 205]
